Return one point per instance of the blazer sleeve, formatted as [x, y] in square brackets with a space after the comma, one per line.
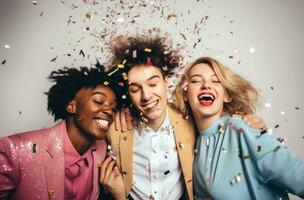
[9, 167]
[275, 163]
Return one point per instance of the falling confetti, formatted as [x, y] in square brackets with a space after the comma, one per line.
[282, 113]
[121, 19]
[267, 105]
[35, 2]
[252, 50]
[171, 16]
[297, 108]
[259, 148]
[7, 46]
[183, 35]
[277, 126]
[81, 53]
[277, 148]
[54, 59]
[88, 15]
[147, 50]
[3, 62]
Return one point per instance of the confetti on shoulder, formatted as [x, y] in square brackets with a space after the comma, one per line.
[148, 50]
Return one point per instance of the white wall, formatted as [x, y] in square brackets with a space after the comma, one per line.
[38, 33]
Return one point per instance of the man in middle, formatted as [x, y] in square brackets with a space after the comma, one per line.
[155, 157]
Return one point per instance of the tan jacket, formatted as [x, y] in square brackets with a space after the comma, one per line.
[122, 144]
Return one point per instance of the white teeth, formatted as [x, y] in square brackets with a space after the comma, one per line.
[102, 122]
[206, 96]
[150, 105]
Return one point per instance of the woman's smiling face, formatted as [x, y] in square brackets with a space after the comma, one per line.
[205, 94]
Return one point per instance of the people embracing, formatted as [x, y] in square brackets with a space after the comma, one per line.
[155, 155]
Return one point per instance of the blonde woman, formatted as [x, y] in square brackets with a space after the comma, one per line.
[233, 161]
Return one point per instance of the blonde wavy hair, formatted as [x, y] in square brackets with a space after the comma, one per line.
[243, 96]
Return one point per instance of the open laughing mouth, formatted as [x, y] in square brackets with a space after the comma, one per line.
[103, 123]
[206, 98]
[149, 106]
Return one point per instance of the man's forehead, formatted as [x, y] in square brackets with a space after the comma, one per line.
[144, 73]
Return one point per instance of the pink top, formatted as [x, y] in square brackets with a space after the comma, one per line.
[78, 171]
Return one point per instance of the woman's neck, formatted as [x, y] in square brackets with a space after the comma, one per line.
[78, 139]
[204, 122]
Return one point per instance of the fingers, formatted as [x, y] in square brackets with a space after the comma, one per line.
[123, 121]
[255, 121]
[108, 172]
[103, 168]
[116, 171]
[128, 119]
[117, 121]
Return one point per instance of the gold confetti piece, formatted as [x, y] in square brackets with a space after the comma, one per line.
[297, 108]
[106, 83]
[224, 150]
[259, 148]
[51, 193]
[111, 73]
[181, 145]
[124, 75]
[183, 35]
[172, 15]
[238, 177]
[88, 15]
[245, 157]
[121, 66]
[151, 197]
[271, 87]
[222, 127]
[277, 126]
[166, 52]
[148, 50]
[277, 148]
[124, 96]
[35, 2]
[124, 62]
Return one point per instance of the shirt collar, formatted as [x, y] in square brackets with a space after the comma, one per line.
[71, 156]
[215, 127]
[165, 127]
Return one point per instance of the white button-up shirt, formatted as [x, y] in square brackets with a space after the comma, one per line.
[156, 169]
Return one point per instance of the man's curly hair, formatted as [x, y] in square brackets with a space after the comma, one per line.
[68, 81]
[144, 50]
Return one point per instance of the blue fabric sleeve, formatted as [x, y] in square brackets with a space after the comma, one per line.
[275, 163]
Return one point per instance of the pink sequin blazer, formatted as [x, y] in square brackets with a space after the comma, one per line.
[32, 165]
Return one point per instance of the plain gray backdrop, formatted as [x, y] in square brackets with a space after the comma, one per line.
[261, 40]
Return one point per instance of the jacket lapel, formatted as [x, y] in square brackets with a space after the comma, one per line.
[126, 157]
[184, 140]
[54, 162]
